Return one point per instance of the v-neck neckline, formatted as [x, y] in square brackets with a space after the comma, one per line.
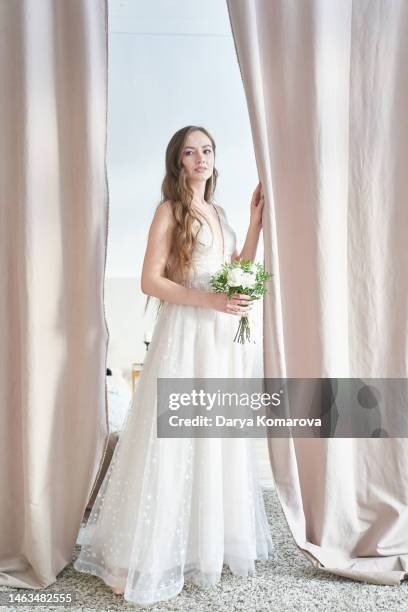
[221, 230]
[220, 226]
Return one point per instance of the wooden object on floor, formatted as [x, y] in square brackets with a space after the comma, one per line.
[113, 438]
[136, 369]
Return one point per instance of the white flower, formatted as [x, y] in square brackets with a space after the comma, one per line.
[248, 280]
[235, 277]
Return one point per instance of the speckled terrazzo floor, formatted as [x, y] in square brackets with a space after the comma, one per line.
[288, 582]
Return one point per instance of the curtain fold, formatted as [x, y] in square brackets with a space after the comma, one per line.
[327, 91]
[53, 223]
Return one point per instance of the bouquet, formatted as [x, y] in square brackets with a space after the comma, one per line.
[247, 278]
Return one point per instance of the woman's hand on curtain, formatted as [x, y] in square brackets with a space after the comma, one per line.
[257, 203]
[255, 225]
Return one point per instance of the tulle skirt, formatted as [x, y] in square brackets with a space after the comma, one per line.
[177, 509]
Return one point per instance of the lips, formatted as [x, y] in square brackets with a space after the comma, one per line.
[200, 168]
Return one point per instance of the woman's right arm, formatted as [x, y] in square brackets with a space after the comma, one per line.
[154, 282]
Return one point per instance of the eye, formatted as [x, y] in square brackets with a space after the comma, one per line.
[208, 151]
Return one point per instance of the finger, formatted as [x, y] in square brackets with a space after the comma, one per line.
[256, 192]
[238, 310]
[232, 309]
[242, 309]
[242, 296]
[246, 309]
[242, 302]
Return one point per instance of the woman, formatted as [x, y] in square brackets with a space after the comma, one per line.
[175, 509]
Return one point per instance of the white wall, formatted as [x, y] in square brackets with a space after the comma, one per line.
[171, 64]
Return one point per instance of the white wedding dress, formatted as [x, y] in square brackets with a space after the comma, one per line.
[169, 509]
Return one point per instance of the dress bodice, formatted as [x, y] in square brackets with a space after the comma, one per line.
[211, 251]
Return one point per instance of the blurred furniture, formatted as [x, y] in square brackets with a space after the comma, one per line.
[119, 396]
[112, 441]
[136, 369]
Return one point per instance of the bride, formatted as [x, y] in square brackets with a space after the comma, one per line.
[177, 509]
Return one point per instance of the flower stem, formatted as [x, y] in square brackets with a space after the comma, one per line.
[243, 332]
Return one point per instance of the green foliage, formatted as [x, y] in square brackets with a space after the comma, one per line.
[219, 282]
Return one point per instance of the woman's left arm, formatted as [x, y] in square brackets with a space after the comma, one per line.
[255, 225]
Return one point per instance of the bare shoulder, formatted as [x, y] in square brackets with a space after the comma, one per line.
[164, 214]
[165, 209]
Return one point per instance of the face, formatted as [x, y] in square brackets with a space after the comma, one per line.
[197, 157]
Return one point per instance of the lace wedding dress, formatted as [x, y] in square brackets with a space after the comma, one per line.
[169, 509]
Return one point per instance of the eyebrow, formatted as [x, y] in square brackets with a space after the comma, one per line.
[203, 146]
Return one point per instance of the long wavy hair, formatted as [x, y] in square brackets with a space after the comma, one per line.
[176, 189]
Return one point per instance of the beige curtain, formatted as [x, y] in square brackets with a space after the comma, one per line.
[327, 92]
[53, 336]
